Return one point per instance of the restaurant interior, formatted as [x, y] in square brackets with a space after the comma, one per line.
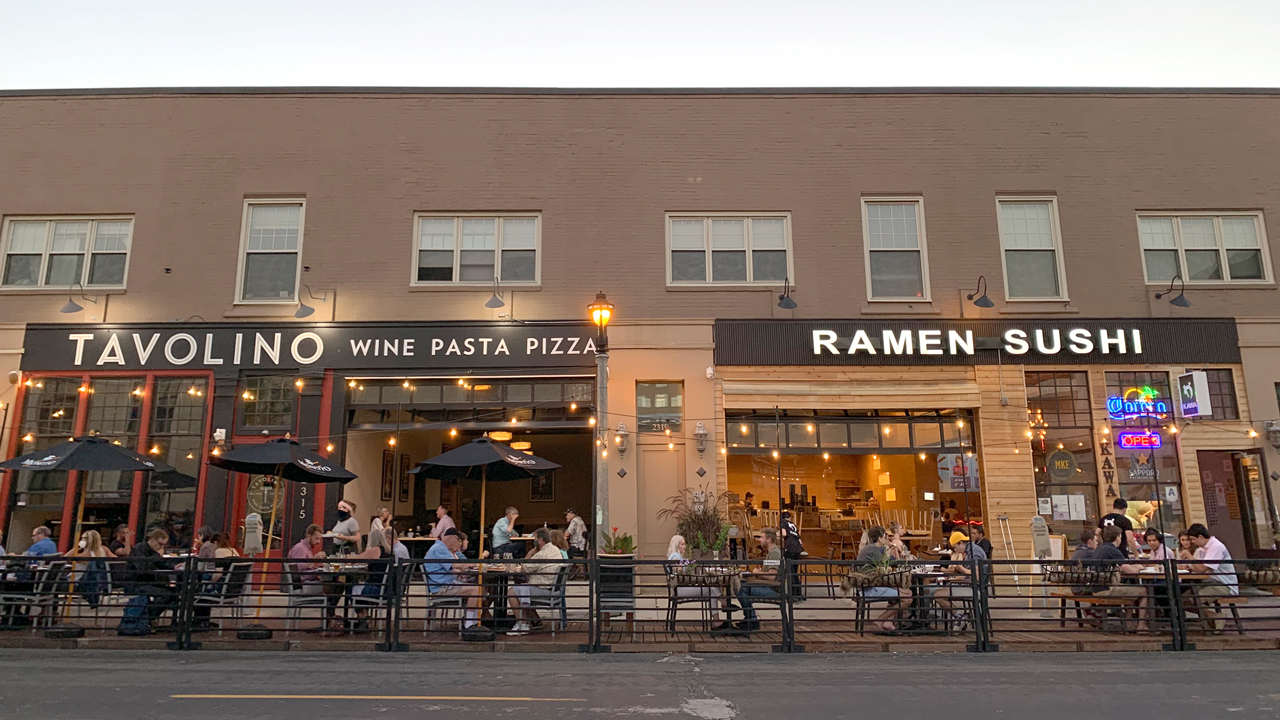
[395, 423]
[842, 471]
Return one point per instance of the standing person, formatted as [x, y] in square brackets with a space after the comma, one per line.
[1118, 518]
[576, 534]
[875, 552]
[1215, 561]
[442, 524]
[793, 550]
[120, 541]
[763, 583]
[346, 533]
[500, 538]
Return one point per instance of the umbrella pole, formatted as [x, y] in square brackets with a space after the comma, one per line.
[275, 496]
[484, 478]
[71, 588]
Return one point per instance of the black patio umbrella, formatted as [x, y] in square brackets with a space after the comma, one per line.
[484, 460]
[89, 453]
[284, 458]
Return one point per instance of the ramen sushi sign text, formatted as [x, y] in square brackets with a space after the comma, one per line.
[1015, 341]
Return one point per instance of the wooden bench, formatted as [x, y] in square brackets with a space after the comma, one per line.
[1202, 602]
[1092, 600]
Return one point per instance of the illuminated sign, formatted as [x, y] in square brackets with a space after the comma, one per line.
[1138, 441]
[1137, 403]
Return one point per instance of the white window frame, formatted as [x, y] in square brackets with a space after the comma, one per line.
[457, 249]
[1217, 215]
[706, 230]
[249, 204]
[44, 258]
[1055, 225]
[922, 245]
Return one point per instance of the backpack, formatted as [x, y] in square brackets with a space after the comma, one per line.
[135, 621]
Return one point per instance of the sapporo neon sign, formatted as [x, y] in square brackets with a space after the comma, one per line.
[1138, 402]
[1138, 441]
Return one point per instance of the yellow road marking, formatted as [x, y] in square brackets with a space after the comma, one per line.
[375, 697]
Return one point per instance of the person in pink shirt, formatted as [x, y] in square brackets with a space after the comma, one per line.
[443, 522]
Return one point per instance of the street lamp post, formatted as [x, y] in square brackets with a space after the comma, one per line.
[601, 312]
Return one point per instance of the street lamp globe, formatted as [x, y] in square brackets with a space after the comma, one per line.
[601, 311]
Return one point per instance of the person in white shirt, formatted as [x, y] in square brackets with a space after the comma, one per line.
[1215, 561]
[1156, 546]
[542, 580]
[381, 520]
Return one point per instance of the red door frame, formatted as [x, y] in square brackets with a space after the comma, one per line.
[72, 485]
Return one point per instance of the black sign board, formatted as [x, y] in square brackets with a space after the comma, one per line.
[343, 346]
[1114, 341]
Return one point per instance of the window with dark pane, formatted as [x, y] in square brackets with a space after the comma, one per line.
[177, 437]
[48, 418]
[115, 412]
[1061, 398]
[267, 402]
[1222, 394]
[659, 406]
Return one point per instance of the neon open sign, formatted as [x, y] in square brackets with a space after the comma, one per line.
[1136, 403]
[1138, 441]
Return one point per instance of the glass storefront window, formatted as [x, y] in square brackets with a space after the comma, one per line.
[267, 402]
[927, 435]
[177, 438]
[659, 406]
[833, 435]
[742, 434]
[48, 418]
[1066, 476]
[896, 435]
[864, 435]
[802, 435]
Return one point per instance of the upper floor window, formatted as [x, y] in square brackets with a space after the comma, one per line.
[270, 246]
[267, 402]
[897, 264]
[66, 251]
[1031, 246]
[1204, 247]
[477, 249]
[729, 249]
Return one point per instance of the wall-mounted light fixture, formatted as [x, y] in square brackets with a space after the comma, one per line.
[1181, 300]
[622, 438]
[785, 300]
[305, 310]
[700, 438]
[982, 300]
[495, 302]
[72, 306]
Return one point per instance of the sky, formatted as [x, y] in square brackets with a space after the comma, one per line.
[650, 43]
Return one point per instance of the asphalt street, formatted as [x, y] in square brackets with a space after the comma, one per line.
[125, 685]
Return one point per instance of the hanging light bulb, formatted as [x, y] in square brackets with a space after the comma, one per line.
[604, 453]
[216, 452]
[826, 456]
[137, 391]
[1106, 430]
[591, 421]
[328, 448]
[573, 407]
[775, 454]
[960, 423]
[351, 383]
[921, 456]
[155, 449]
[453, 432]
[298, 383]
[1016, 451]
[671, 446]
[191, 456]
[247, 395]
[724, 451]
[28, 438]
[1253, 433]
[406, 384]
[391, 441]
[668, 432]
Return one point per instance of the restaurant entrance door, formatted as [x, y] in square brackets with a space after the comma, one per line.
[1238, 508]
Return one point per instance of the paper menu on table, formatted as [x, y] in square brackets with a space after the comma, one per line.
[1061, 507]
[1077, 507]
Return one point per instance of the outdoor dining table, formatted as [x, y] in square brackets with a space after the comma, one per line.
[726, 579]
[922, 603]
[335, 578]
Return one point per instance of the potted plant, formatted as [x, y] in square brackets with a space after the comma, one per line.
[702, 520]
[617, 582]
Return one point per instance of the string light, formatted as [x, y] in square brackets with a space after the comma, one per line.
[826, 456]
[406, 384]
[573, 407]
[391, 441]
[453, 432]
[724, 451]
[84, 388]
[191, 456]
[247, 395]
[28, 438]
[328, 448]
[591, 421]
[604, 453]
[298, 383]
[775, 454]
[1253, 433]
[137, 392]
[155, 449]
[216, 452]
[960, 423]
[351, 383]
[671, 446]
[668, 432]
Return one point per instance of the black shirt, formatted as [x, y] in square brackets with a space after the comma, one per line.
[1122, 522]
[985, 544]
[1107, 551]
[144, 565]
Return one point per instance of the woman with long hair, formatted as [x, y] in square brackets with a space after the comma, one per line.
[90, 581]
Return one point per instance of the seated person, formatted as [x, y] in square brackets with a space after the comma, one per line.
[1156, 547]
[443, 522]
[448, 577]
[145, 574]
[893, 543]
[980, 538]
[307, 581]
[960, 585]
[1088, 543]
[763, 583]
[398, 549]
[1215, 561]
[541, 569]
[1108, 556]
[500, 538]
[42, 544]
[676, 551]
[875, 552]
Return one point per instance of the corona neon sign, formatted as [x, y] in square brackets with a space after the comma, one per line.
[1137, 403]
[1138, 441]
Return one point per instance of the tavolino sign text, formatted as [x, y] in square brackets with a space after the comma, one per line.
[333, 345]
[976, 342]
[1016, 341]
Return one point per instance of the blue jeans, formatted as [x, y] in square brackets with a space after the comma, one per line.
[746, 592]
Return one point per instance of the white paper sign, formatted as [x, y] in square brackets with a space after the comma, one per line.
[1061, 508]
[1077, 507]
[1171, 494]
[1046, 506]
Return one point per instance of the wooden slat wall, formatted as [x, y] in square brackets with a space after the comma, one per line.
[1007, 476]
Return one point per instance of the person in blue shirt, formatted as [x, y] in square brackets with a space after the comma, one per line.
[41, 544]
[502, 532]
[445, 578]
